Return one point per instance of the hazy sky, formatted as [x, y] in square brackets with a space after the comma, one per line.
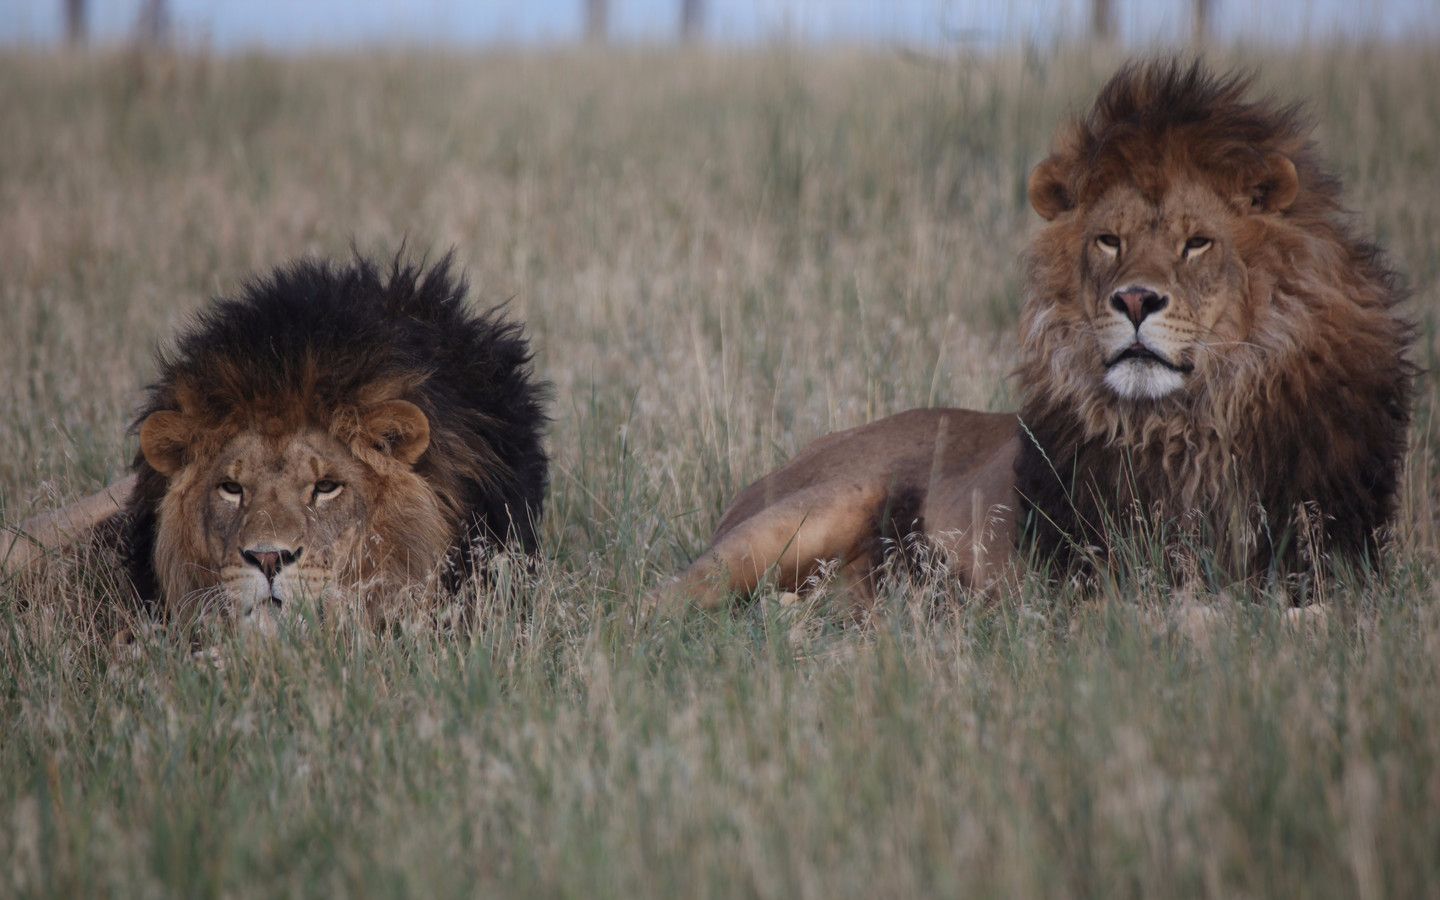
[296, 24]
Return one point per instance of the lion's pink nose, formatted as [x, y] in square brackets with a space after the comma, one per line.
[270, 560]
[1137, 303]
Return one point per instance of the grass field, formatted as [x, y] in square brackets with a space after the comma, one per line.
[719, 258]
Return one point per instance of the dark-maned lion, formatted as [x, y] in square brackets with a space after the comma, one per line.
[334, 433]
[1204, 340]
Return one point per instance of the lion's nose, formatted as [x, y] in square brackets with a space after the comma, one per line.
[271, 560]
[1137, 303]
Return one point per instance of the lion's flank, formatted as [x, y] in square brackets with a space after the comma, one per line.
[312, 342]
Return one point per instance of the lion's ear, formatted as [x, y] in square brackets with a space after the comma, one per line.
[1278, 187]
[1049, 189]
[165, 436]
[398, 428]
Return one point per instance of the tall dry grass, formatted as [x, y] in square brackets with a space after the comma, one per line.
[720, 257]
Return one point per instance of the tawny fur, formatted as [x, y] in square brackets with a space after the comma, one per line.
[1293, 409]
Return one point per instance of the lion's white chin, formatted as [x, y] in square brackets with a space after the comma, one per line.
[1138, 379]
[257, 611]
[260, 621]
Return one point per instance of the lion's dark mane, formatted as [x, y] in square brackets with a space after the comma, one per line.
[1324, 429]
[314, 336]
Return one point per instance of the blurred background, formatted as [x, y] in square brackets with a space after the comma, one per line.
[315, 24]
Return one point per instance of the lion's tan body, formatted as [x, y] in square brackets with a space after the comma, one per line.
[947, 472]
[25, 544]
[1207, 353]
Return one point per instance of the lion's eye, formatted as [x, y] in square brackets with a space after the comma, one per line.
[1197, 245]
[1108, 242]
[325, 489]
[230, 490]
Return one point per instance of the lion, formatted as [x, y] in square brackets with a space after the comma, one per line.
[335, 434]
[1204, 340]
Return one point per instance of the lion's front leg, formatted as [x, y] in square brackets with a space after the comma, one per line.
[25, 544]
[790, 539]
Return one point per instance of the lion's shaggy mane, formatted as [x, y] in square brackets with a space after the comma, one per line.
[316, 340]
[1311, 412]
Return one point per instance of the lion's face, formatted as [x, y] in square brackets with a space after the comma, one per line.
[283, 518]
[1161, 287]
[1138, 291]
[259, 522]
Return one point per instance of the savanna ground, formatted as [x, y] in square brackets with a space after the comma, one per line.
[719, 257]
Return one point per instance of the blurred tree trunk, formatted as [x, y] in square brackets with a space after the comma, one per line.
[1102, 20]
[597, 19]
[76, 23]
[152, 28]
[692, 19]
[1203, 9]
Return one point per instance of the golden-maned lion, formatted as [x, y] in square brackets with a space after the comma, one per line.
[1204, 341]
[336, 434]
